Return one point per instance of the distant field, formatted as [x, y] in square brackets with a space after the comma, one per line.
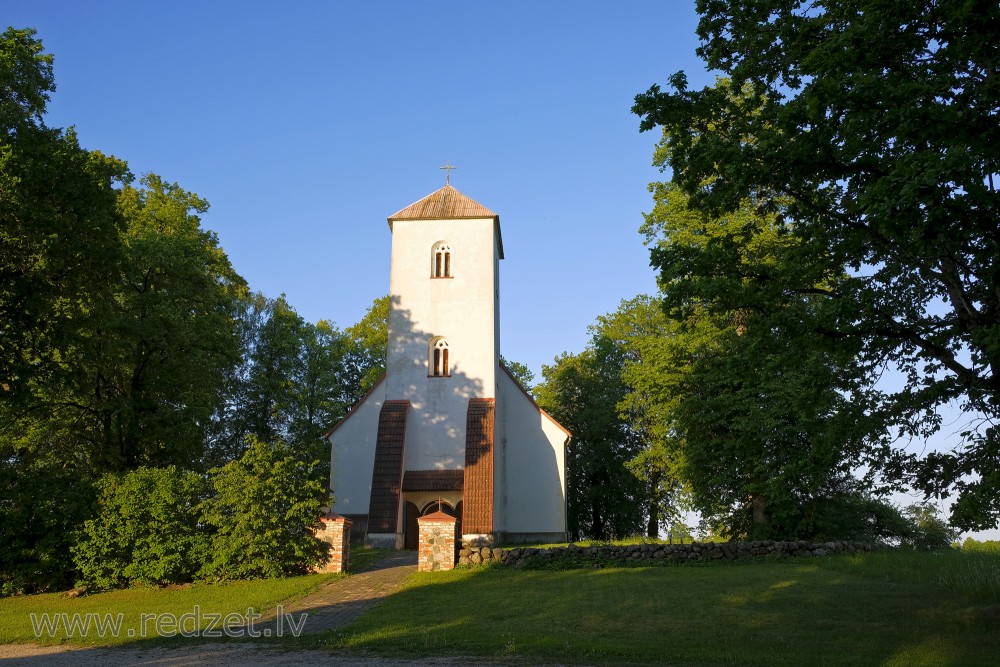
[874, 609]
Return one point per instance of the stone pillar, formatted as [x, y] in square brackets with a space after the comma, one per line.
[335, 530]
[436, 546]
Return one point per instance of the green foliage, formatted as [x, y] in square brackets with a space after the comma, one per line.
[604, 498]
[929, 531]
[140, 384]
[60, 250]
[25, 80]
[972, 545]
[294, 379]
[644, 336]
[759, 419]
[146, 530]
[263, 510]
[42, 503]
[369, 345]
[128, 340]
[867, 130]
[521, 373]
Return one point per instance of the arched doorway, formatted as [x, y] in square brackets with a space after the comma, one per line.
[411, 536]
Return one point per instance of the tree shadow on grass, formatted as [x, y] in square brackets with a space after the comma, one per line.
[767, 613]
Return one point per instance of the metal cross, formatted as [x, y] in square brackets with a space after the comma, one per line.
[447, 167]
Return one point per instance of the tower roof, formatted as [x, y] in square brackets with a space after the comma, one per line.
[448, 204]
[444, 204]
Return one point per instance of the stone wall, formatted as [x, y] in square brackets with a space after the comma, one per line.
[635, 554]
[336, 531]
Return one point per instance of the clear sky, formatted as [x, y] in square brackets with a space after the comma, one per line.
[306, 124]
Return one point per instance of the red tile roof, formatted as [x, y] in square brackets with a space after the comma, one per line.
[383, 510]
[433, 480]
[478, 495]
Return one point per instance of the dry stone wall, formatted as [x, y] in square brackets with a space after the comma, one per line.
[636, 554]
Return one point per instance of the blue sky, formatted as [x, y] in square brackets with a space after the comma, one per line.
[306, 124]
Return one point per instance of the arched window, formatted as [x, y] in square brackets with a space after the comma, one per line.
[441, 260]
[437, 358]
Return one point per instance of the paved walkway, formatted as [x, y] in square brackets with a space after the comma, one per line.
[339, 602]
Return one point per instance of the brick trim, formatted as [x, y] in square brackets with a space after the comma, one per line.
[387, 474]
[477, 513]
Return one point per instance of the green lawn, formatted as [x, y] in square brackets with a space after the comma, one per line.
[887, 609]
[223, 599]
[828, 611]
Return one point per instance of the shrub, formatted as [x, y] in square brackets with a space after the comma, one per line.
[264, 509]
[971, 545]
[929, 531]
[146, 530]
[41, 505]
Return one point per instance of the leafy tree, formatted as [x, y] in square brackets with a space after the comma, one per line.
[274, 360]
[147, 530]
[604, 498]
[25, 80]
[764, 420]
[929, 531]
[369, 345]
[145, 376]
[291, 383]
[263, 511]
[520, 372]
[868, 129]
[644, 336]
[60, 246]
[320, 395]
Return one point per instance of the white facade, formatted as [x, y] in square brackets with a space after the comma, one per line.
[458, 309]
[443, 356]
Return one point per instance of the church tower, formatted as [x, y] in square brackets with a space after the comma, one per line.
[447, 421]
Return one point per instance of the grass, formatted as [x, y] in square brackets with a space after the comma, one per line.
[885, 608]
[974, 575]
[876, 609]
[363, 557]
[228, 598]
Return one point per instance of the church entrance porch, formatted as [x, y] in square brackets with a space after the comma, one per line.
[415, 507]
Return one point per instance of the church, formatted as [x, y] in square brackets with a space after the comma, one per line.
[448, 422]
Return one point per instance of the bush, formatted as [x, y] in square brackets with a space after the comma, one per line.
[929, 531]
[264, 509]
[146, 530]
[971, 545]
[41, 506]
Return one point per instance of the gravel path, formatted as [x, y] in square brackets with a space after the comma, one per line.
[205, 655]
[338, 603]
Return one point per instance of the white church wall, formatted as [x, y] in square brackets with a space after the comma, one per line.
[460, 309]
[352, 454]
[532, 480]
